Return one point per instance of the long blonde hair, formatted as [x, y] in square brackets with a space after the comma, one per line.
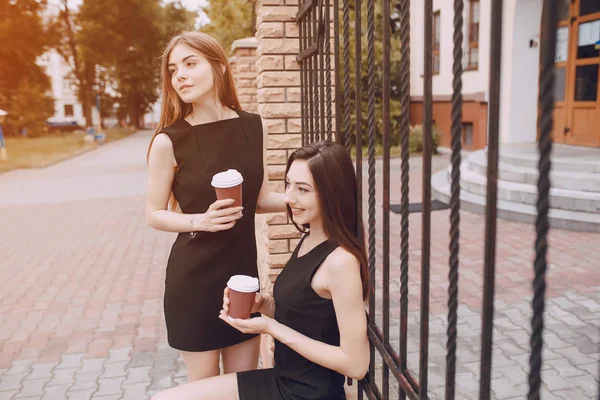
[173, 108]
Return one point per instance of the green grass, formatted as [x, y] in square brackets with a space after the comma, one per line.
[37, 152]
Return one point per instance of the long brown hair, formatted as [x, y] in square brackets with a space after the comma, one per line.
[173, 108]
[336, 188]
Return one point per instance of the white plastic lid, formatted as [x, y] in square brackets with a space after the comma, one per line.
[243, 283]
[227, 179]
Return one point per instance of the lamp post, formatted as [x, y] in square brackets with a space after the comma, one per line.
[3, 154]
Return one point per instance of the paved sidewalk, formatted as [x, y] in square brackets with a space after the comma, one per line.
[82, 282]
[572, 317]
[82, 273]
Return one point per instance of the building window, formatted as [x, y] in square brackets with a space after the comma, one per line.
[587, 7]
[437, 23]
[586, 82]
[473, 35]
[69, 110]
[467, 134]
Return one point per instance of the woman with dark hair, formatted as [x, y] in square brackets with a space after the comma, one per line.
[316, 315]
[203, 131]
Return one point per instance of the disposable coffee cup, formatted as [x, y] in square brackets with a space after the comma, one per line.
[242, 291]
[228, 185]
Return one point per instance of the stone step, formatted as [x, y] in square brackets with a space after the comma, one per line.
[564, 199]
[509, 210]
[564, 158]
[582, 181]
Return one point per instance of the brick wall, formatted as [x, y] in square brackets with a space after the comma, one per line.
[278, 98]
[243, 65]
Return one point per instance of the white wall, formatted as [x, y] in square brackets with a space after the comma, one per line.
[520, 62]
[472, 81]
[520, 71]
[57, 70]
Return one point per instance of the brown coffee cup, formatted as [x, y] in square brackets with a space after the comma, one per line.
[228, 185]
[242, 291]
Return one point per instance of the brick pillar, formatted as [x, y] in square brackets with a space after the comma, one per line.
[243, 65]
[278, 96]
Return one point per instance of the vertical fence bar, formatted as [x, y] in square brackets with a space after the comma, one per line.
[346, 55]
[491, 202]
[358, 104]
[371, 160]
[303, 83]
[315, 84]
[328, 97]
[339, 135]
[426, 213]
[457, 71]
[358, 111]
[386, 190]
[404, 135]
[546, 106]
[321, 62]
[311, 74]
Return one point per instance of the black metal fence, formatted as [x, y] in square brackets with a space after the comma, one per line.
[315, 22]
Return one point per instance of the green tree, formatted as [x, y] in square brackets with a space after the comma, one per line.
[22, 39]
[230, 20]
[395, 47]
[64, 36]
[125, 38]
[113, 48]
[25, 116]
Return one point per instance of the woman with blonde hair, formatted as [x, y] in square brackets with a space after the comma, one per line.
[203, 131]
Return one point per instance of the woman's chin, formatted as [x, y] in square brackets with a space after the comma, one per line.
[298, 220]
[186, 99]
[198, 96]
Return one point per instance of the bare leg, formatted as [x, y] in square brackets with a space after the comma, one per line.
[223, 387]
[201, 365]
[241, 357]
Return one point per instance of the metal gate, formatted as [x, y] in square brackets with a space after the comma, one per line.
[325, 37]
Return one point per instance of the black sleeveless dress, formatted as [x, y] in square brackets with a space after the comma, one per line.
[199, 267]
[299, 307]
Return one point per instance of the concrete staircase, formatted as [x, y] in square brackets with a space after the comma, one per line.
[574, 193]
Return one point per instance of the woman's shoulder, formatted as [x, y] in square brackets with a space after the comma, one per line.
[342, 273]
[177, 132]
[249, 114]
[254, 119]
[339, 260]
[177, 126]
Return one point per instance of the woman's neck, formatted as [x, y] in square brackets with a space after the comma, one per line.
[317, 234]
[209, 111]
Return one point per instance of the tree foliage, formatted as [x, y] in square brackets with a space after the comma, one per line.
[395, 47]
[230, 20]
[114, 47]
[24, 86]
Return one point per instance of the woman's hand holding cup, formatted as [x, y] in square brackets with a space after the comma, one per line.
[258, 302]
[239, 297]
[240, 319]
[219, 217]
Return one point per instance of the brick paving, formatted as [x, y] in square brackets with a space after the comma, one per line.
[572, 317]
[82, 282]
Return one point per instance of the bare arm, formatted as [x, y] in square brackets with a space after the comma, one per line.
[268, 202]
[351, 358]
[161, 172]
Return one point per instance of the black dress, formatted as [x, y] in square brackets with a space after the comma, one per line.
[199, 267]
[299, 307]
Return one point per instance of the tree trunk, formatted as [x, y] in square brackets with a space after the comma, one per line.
[87, 98]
